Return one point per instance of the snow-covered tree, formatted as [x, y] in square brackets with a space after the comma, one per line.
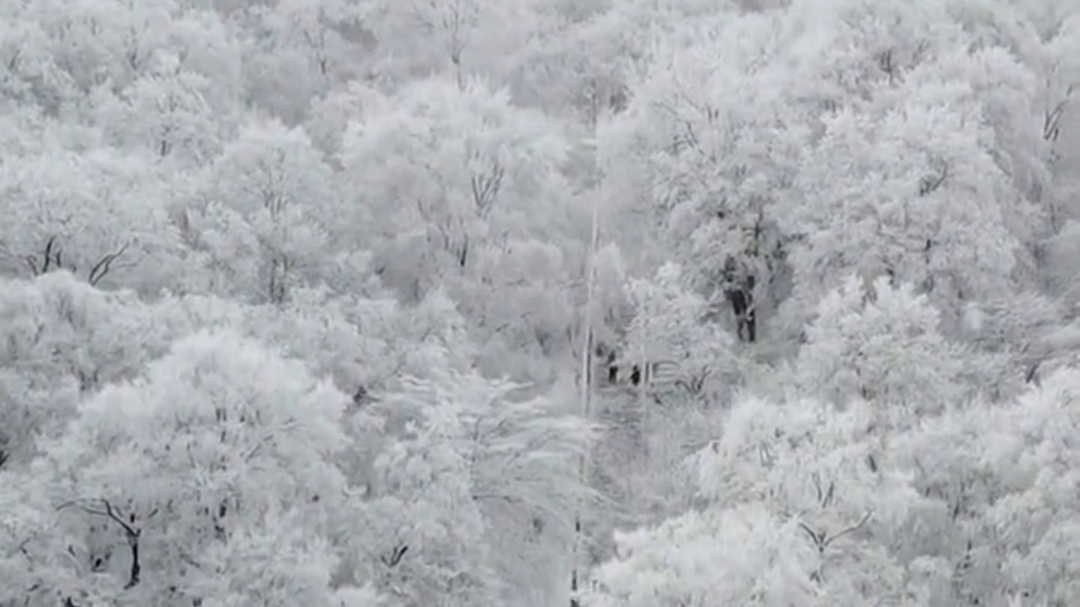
[796, 511]
[210, 478]
[921, 167]
[297, 50]
[63, 340]
[708, 146]
[457, 169]
[1037, 520]
[881, 343]
[457, 188]
[166, 113]
[469, 465]
[457, 38]
[266, 216]
[670, 326]
[94, 214]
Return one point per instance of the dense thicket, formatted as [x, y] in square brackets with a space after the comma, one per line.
[295, 295]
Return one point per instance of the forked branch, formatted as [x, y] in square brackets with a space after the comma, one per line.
[395, 556]
[102, 267]
[50, 258]
[131, 534]
[823, 540]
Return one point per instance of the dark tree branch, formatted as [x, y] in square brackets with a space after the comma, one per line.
[502, 498]
[102, 267]
[824, 496]
[822, 539]
[1028, 377]
[485, 188]
[49, 255]
[929, 184]
[395, 555]
[1052, 118]
[50, 258]
[130, 533]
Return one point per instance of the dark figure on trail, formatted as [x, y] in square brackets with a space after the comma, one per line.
[739, 291]
[635, 375]
[612, 368]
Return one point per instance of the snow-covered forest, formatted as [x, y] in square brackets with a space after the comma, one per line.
[539, 303]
